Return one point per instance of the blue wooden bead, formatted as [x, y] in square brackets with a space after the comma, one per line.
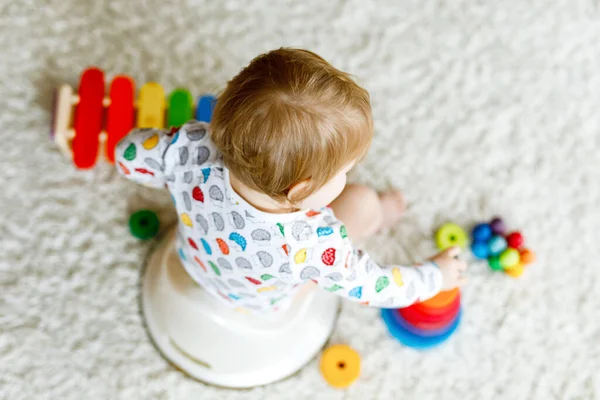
[497, 244]
[482, 232]
[480, 249]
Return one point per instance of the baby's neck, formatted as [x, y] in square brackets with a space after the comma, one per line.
[258, 200]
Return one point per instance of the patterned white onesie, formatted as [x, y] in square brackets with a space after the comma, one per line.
[249, 258]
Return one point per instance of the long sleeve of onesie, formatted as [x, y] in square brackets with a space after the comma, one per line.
[320, 250]
[140, 156]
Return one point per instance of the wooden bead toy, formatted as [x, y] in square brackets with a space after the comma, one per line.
[87, 125]
[340, 365]
[504, 253]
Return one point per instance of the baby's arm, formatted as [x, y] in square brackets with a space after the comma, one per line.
[333, 263]
[391, 286]
[140, 156]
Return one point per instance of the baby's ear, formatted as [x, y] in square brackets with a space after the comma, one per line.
[296, 189]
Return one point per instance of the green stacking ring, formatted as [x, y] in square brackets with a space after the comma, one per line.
[144, 224]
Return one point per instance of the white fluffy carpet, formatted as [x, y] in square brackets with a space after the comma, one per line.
[481, 108]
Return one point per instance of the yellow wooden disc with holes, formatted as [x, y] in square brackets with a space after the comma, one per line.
[340, 365]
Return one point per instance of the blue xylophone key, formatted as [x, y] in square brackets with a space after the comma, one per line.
[206, 105]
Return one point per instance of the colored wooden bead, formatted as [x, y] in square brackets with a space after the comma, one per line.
[509, 258]
[480, 249]
[498, 226]
[482, 232]
[515, 240]
[516, 271]
[450, 235]
[497, 245]
[494, 262]
[527, 256]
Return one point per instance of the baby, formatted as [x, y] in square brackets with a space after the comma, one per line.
[261, 191]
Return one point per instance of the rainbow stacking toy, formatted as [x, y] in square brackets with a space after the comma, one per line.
[425, 324]
[89, 124]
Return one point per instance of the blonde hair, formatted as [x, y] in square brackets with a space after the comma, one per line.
[290, 116]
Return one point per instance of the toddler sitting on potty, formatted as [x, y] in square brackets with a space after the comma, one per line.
[261, 191]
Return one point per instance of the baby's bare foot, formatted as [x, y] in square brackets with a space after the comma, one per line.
[393, 207]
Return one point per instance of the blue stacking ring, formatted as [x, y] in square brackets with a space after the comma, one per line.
[420, 331]
[411, 339]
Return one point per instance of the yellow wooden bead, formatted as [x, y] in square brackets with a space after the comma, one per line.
[515, 271]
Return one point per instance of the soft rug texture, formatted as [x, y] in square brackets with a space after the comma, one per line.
[481, 108]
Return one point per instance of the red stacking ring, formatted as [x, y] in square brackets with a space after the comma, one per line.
[422, 320]
[424, 308]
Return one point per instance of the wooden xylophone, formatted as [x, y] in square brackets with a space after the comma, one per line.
[87, 125]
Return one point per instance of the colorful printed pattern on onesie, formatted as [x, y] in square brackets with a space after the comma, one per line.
[248, 258]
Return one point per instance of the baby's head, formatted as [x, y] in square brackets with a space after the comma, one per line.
[291, 126]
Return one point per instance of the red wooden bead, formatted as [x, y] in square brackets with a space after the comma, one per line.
[515, 240]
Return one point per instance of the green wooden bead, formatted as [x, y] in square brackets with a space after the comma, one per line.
[494, 262]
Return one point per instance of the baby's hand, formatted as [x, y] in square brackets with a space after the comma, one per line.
[451, 268]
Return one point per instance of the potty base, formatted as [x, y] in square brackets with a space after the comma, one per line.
[218, 345]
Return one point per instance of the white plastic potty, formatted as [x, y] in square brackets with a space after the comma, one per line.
[221, 346]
